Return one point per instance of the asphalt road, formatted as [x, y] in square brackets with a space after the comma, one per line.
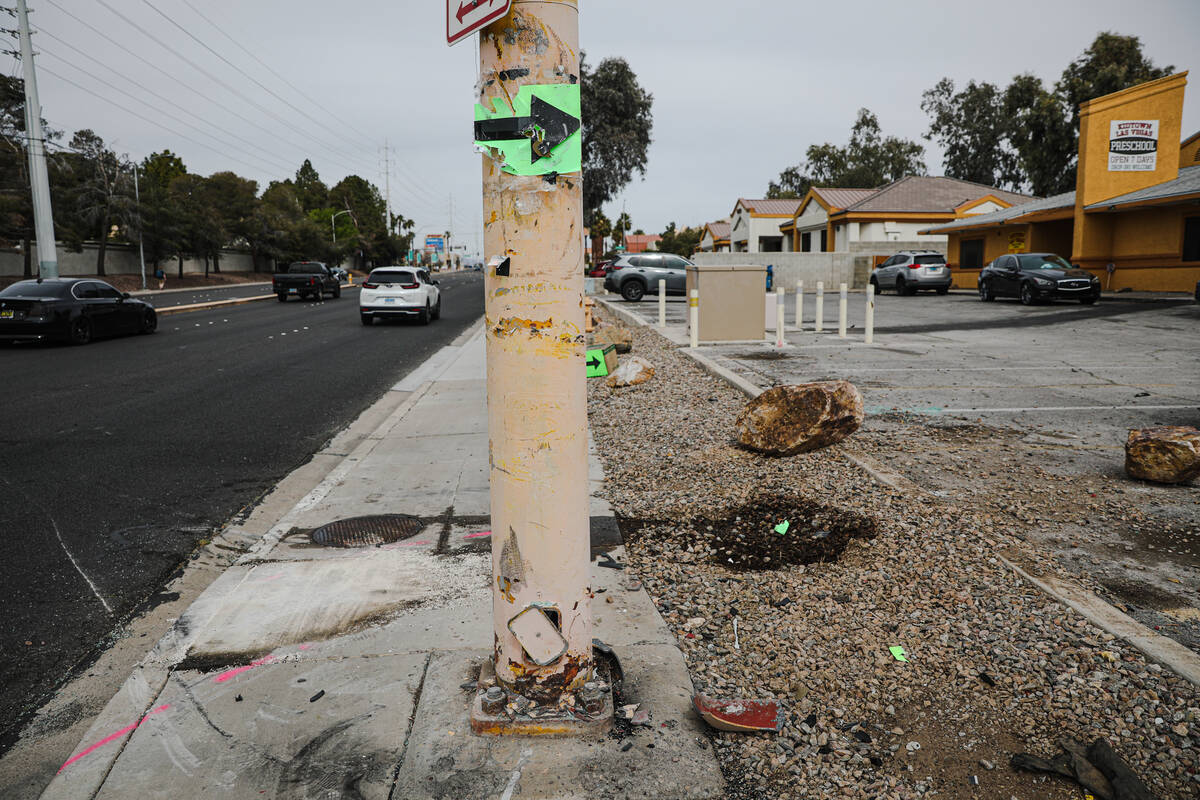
[118, 458]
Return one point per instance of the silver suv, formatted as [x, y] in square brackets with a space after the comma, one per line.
[910, 270]
[635, 276]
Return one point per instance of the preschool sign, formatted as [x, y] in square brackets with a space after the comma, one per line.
[1133, 145]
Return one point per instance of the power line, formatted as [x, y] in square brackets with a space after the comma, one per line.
[170, 130]
[303, 149]
[278, 165]
[299, 92]
[245, 74]
[227, 86]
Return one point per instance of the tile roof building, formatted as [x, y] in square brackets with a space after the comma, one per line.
[1134, 217]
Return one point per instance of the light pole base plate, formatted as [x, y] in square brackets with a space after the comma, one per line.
[517, 718]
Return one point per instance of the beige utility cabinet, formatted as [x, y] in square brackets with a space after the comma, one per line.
[731, 301]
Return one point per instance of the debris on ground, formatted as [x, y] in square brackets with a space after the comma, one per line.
[1003, 669]
[634, 371]
[1098, 769]
[1166, 454]
[617, 335]
[788, 420]
[739, 716]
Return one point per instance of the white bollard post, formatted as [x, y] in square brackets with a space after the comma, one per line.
[820, 326]
[842, 309]
[870, 337]
[780, 316]
[662, 304]
[800, 305]
[694, 313]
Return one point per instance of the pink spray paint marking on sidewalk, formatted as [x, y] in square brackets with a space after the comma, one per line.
[113, 737]
[478, 535]
[233, 673]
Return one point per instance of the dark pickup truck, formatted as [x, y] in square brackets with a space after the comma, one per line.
[305, 279]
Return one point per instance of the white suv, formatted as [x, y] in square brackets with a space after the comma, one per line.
[400, 292]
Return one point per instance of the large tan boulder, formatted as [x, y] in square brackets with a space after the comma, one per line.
[616, 335]
[787, 420]
[633, 371]
[1168, 454]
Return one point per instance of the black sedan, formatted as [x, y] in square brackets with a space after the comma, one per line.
[1035, 277]
[71, 309]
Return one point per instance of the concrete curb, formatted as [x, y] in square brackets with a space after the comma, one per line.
[1160, 649]
[155, 292]
[236, 301]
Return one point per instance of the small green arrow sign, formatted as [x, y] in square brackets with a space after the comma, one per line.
[597, 367]
[540, 135]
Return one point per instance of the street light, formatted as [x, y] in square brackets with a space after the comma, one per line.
[332, 224]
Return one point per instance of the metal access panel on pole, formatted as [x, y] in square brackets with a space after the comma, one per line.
[39, 178]
[527, 125]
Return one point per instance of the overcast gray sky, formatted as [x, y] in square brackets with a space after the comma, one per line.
[740, 89]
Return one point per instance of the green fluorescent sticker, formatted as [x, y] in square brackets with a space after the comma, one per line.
[898, 653]
[597, 367]
[539, 135]
[782, 528]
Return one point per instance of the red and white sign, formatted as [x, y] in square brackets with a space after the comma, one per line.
[464, 17]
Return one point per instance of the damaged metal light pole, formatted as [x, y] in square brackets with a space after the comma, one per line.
[527, 124]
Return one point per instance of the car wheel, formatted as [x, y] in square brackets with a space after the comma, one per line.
[944, 290]
[902, 288]
[425, 314]
[149, 322]
[367, 319]
[1027, 298]
[633, 291]
[337, 292]
[875, 284]
[282, 298]
[985, 292]
[437, 310]
[80, 331]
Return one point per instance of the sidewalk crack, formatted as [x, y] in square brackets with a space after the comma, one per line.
[412, 719]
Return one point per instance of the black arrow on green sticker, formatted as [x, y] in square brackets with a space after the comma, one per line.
[546, 127]
[593, 362]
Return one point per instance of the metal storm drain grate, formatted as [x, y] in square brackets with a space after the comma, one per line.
[367, 531]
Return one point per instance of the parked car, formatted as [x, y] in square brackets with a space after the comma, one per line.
[912, 270]
[71, 309]
[1035, 277]
[400, 292]
[634, 276]
[307, 279]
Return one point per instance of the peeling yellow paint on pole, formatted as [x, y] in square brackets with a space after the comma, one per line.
[537, 395]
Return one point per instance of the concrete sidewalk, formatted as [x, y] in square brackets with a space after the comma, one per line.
[307, 671]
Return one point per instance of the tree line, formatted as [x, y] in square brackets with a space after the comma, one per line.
[176, 214]
[1023, 136]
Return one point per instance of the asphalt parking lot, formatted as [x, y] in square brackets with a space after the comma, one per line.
[1026, 408]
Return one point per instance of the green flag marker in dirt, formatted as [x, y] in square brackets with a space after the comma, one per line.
[597, 364]
[539, 135]
[898, 652]
[782, 527]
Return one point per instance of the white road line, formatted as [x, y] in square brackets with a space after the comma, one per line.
[1067, 368]
[63, 544]
[1058, 408]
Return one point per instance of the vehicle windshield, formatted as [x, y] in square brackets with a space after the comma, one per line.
[35, 289]
[930, 259]
[306, 268]
[391, 276]
[1042, 262]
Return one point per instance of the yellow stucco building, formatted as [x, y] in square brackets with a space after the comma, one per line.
[1134, 217]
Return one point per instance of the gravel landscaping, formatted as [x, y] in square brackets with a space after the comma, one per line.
[994, 667]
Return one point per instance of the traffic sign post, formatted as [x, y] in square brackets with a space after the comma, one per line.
[464, 17]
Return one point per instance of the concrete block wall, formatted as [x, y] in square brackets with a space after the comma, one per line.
[832, 268]
[118, 260]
